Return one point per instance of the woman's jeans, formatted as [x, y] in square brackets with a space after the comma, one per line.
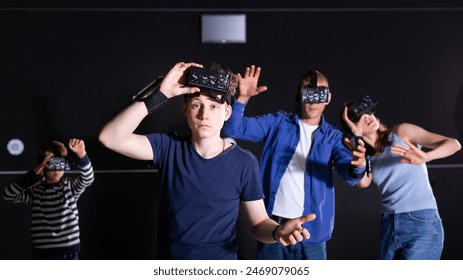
[300, 251]
[416, 235]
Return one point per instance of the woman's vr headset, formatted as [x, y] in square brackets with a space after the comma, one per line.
[366, 105]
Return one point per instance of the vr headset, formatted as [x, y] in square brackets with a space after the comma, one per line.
[366, 105]
[59, 163]
[312, 93]
[212, 82]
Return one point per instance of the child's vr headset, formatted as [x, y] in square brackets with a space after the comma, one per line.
[59, 163]
[216, 84]
[366, 105]
[312, 93]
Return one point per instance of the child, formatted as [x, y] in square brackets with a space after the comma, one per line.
[53, 198]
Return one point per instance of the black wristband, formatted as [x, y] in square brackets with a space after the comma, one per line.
[274, 232]
[155, 101]
[151, 95]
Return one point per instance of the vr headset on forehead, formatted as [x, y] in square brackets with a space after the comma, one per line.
[313, 93]
[366, 105]
[212, 82]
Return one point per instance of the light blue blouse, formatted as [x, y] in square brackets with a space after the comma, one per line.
[404, 187]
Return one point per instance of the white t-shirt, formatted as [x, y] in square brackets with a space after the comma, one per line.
[289, 200]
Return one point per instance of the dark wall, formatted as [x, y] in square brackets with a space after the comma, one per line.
[65, 71]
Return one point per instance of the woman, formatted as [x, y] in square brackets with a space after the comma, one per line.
[410, 224]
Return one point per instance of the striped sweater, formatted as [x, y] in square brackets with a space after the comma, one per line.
[55, 217]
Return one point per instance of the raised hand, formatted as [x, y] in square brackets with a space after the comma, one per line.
[174, 82]
[248, 83]
[77, 146]
[43, 165]
[356, 129]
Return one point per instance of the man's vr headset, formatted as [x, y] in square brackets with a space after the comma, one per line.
[312, 93]
[213, 82]
[366, 105]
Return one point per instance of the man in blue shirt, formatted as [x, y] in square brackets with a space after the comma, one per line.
[296, 166]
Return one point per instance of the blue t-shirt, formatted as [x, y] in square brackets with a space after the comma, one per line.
[202, 196]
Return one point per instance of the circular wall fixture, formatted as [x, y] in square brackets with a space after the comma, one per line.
[15, 147]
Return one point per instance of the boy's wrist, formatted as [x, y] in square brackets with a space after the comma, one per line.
[81, 155]
[274, 233]
[155, 101]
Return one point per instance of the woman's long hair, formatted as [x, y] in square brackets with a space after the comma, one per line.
[383, 140]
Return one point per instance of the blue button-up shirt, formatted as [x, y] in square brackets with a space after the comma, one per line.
[280, 133]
